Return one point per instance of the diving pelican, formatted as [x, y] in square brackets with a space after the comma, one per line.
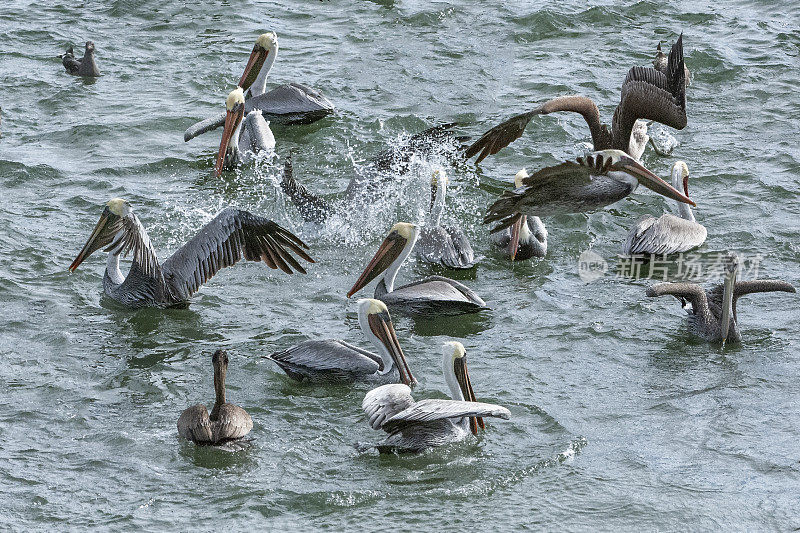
[713, 312]
[226, 422]
[257, 139]
[292, 103]
[336, 360]
[85, 66]
[646, 94]
[446, 246]
[414, 427]
[668, 234]
[232, 235]
[432, 295]
[597, 180]
[524, 238]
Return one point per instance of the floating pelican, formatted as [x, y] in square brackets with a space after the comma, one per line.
[713, 312]
[432, 295]
[661, 64]
[257, 138]
[416, 426]
[668, 234]
[646, 94]
[599, 179]
[524, 238]
[232, 235]
[292, 103]
[225, 423]
[336, 360]
[85, 66]
[446, 246]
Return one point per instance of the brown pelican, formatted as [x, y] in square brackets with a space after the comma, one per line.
[432, 295]
[599, 179]
[292, 103]
[668, 234]
[713, 312]
[336, 360]
[661, 64]
[257, 139]
[646, 94]
[414, 427]
[446, 246]
[525, 238]
[232, 235]
[225, 423]
[85, 66]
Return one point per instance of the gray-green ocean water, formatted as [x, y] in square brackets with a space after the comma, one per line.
[619, 421]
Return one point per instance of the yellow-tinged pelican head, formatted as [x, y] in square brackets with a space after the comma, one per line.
[519, 176]
[105, 230]
[401, 237]
[438, 179]
[234, 105]
[456, 357]
[374, 317]
[267, 43]
[516, 227]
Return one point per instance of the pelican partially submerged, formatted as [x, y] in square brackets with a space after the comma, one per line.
[667, 234]
[431, 296]
[712, 315]
[232, 235]
[83, 66]
[526, 237]
[445, 246]
[646, 94]
[414, 427]
[244, 138]
[292, 103]
[226, 422]
[336, 360]
[595, 181]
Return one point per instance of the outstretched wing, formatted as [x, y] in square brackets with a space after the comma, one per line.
[682, 291]
[232, 235]
[430, 410]
[761, 285]
[311, 206]
[384, 402]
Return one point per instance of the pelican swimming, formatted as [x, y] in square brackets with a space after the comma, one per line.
[292, 103]
[525, 238]
[597, 180]
[85, 66]
[446, 246]
[433, 295]
[232, 235]
[667, 234]
[336, 360]
[236, 149]
[414, 427]
[646, 94]
[226, 422]
[713, 312]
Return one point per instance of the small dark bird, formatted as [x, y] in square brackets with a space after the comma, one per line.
[84, 66]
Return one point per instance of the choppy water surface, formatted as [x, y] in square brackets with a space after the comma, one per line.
[617, 420]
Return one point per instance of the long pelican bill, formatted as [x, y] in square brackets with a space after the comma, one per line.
[516, 228]
[462, 376]
[253, 67]
[381, 326]
[233, 118]
[650, 180]
[727, 297]
[390, 249]
[102, 235]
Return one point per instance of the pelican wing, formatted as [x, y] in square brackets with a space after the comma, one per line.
[447, 247]
[420, 144]
[311, 206]
[682, 291]
[761, 285]
[437, 288]
[333, 357]
[431, 410]
[232, 235]
[509, 131]
[195, 425]
[232, 422]
[667, 234]
[383, 402]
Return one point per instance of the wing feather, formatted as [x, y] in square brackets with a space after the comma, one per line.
[435, 409]
[386, 401]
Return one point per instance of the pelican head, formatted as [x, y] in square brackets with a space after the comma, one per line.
[455, 362]
[90, 46]
[373, 315]
[732, 265]
[680, 176]
[519, 176]
[516, 227]
[234, 105]
[105, 231]
[266, 44]
[609, 161]
[438, 179]
[392, 252]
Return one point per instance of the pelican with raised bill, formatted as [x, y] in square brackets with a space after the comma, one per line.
[595, 181]
[231, 236]
[712, 312]
[236, 149]
[336, 360]
[667, 234]
[446, 246]
[226, 422]
[292, 103]
[431, 296]
[526, 237]
[414, 427]
[647, 94]
[85, 66]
